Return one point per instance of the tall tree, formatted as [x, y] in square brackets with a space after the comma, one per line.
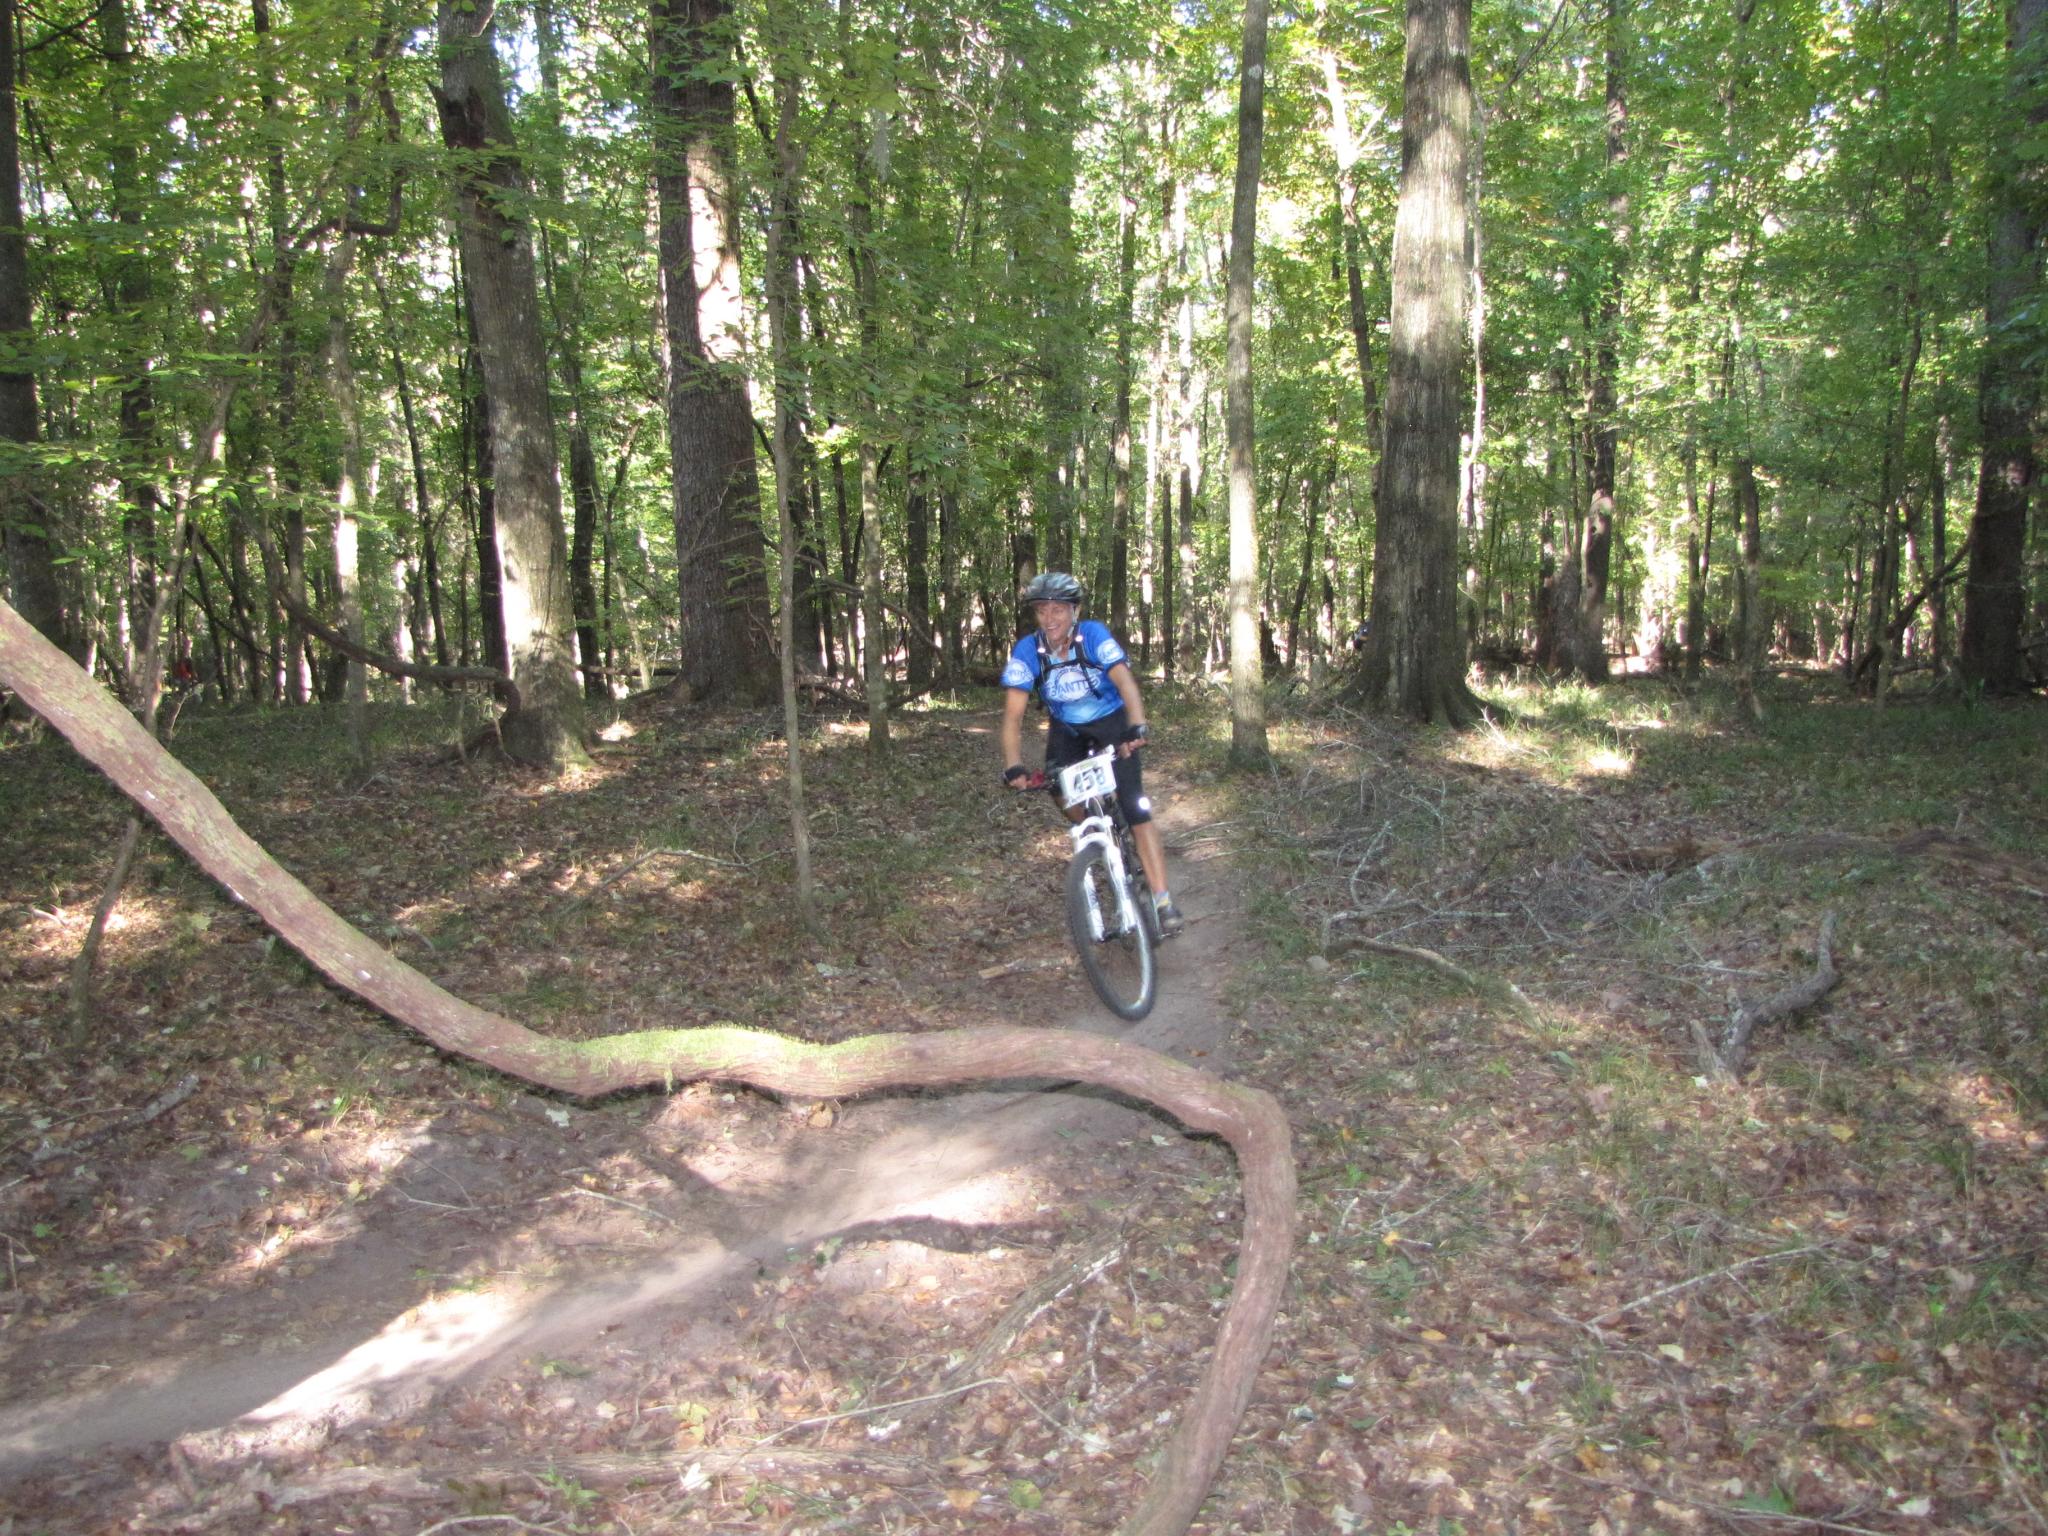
[25, 517]
[1414, 661]
[1247, 674]
[545, 726]
[1995, 600]
[1596, 542]
[720, 556]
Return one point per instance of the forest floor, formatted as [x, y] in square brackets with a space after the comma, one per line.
[1552, 1275]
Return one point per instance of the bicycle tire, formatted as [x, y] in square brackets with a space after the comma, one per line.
[1121, 966]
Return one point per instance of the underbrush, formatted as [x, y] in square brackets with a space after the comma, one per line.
[1565, 1276]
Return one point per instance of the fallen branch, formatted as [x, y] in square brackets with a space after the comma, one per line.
[1614, 1314]
[652, 854]
[1516, 998]
[1958, 853]
[1022, 1313]
[1250, 1120]
[1724, 1061]
[157, 1107]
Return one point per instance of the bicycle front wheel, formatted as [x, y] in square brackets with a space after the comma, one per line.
[1116, 954]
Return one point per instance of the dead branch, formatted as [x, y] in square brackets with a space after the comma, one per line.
[1092, 1260]
[1615, 1314]
[1516, 998]
[1250, 1120]
[162, 1104]
[1960, 854]
[1724, 1062]
[498, 682]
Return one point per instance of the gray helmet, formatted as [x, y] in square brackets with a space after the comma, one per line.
[1053, 587]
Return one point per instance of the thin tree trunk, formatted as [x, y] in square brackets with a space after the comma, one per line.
[781, 346]
[1248, 747]
[1597, 542]
[1120, 446]
[141, 498]
[339, 368]
[1749, 602]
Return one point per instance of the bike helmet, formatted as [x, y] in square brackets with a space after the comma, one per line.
[1053, 587]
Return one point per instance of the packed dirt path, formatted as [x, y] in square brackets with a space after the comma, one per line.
[282, 1368]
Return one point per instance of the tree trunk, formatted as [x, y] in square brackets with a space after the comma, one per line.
[339, 367]
[26, 520]
[2009, 388]
[1749, 599]
[874, 621]
[720, 557]
[1247, 684]
[1597, 542]
[546, 727]
[141, 498]
[1345, 151]
[782, 349]
[917, 556]
[1120, 494]
[1414, 661]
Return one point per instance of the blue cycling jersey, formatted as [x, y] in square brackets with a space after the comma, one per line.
[1075, 685]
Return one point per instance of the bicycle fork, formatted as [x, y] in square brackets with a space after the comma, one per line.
[1099, 831]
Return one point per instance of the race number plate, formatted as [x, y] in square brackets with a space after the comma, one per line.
[1088, 779]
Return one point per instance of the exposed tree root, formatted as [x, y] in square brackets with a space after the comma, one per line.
[1249, 1120]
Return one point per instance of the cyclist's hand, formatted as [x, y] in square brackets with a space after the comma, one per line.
[1134, 737]
[1017, 776]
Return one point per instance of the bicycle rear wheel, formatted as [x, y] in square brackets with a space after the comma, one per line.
[1116, 955]
[1141, 893]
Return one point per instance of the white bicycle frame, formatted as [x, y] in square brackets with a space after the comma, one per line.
[1098, 830]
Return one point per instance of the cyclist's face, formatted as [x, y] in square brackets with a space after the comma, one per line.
[1056, 620]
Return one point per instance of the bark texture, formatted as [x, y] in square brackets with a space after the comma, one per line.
[720, 554]
[1248, 1119]
[1414, 662]
[497, 255]
[1995, 601]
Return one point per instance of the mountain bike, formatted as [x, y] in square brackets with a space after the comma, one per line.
[1109, 909]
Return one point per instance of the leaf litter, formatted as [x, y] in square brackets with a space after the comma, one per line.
[1547, 1279]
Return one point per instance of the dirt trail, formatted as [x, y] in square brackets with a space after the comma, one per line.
[355, 1340]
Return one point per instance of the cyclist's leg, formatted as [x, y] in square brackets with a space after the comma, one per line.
[1137, 809]
[1063, 747]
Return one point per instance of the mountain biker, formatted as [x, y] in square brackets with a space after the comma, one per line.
[1078, 670]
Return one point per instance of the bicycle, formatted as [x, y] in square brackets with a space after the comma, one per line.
[1109, 909]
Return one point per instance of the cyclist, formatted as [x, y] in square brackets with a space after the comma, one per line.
[1076, 668]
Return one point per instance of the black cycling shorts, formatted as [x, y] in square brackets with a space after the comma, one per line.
[1065, 744]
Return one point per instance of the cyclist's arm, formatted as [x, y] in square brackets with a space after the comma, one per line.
[1011, 733]
[1127, 690]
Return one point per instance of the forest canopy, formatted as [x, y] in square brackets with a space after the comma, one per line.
[1751, 311]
